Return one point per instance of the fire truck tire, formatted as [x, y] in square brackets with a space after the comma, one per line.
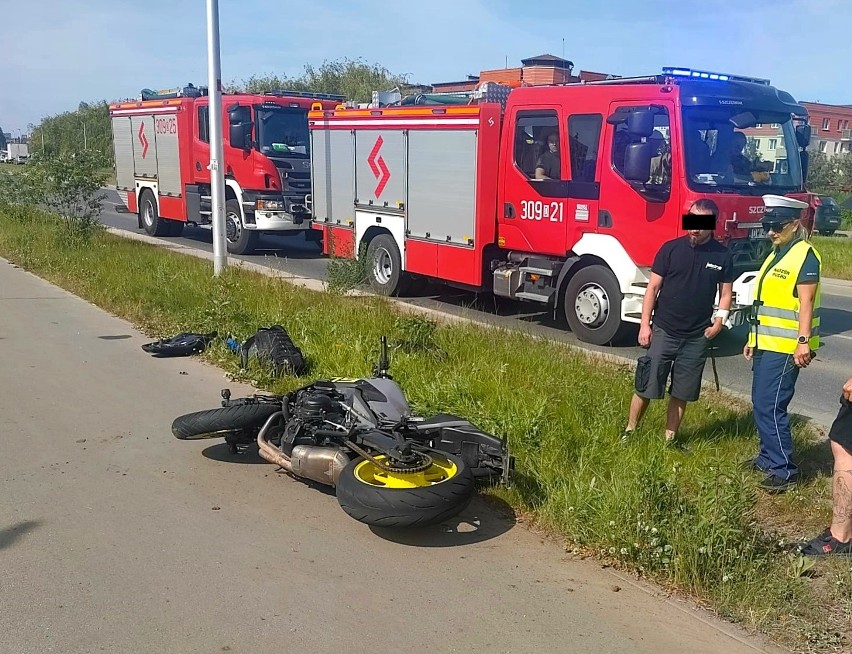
[384, 267]
[240, 240]
[150, 217]
[592, 305]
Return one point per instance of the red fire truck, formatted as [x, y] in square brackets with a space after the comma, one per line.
[473, 195]
[162, 151]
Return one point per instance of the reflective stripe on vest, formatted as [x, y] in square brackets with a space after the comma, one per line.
[776, 324]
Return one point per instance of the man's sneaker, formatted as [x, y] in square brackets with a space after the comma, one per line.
[773, 484]
[826, 544]
[626, 437]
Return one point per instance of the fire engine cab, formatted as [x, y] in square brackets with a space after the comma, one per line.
[560, 195]
[162, 152]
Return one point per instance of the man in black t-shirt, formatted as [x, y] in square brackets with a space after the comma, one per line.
[548, 164]
[685, 277]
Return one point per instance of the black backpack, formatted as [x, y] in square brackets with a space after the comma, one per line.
[273, 348]
[181, 345]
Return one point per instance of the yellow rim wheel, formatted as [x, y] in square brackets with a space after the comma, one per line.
[368, 473]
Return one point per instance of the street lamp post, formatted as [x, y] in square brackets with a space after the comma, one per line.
[217, 173]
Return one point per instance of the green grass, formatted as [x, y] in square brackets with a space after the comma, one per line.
[836, 253]
[690, 522]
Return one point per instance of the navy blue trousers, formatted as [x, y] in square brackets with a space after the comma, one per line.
[772, 388]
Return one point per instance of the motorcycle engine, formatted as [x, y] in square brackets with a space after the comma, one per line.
[313, 408]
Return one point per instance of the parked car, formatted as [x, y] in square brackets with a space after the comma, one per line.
[827, 215]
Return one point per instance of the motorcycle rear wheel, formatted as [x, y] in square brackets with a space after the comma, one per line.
[217, 423]
[382, 499]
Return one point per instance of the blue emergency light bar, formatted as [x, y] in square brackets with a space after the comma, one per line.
[690, 73]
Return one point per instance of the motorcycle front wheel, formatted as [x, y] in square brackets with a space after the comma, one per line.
[217, 423]
[394, 499]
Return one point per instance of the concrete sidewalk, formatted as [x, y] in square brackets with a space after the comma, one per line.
[116, 537]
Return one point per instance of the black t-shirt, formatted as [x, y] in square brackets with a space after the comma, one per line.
[691, 277]
[550, 162]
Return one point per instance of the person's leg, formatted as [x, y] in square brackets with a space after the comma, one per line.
[656, 364]
[674, 416]
[638, 406]
[687, 371]
[841, 520]
[775, 377]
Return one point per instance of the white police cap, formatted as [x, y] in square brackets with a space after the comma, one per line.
[787, 206]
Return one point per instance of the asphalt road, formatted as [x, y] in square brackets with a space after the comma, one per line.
[817, 392]
[115, 537]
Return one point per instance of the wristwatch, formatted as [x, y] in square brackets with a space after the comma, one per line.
[803, 340]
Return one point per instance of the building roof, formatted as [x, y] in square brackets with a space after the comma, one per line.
[548, 60]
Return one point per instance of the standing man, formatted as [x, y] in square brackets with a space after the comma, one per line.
[784, 336]
[686, 275]
[837, 539]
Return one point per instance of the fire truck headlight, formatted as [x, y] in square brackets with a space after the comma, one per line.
[270, 205]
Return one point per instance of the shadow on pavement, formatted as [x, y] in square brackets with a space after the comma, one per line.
[246, 455]
[482, 520]
[11, 534]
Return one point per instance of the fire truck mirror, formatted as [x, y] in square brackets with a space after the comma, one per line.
[239, 127]
[637, 162]
[640, 122]
[803, 135]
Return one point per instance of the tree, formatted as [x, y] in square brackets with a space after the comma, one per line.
[354, 79]
[822, 172]
[2, 139]
[752, 151]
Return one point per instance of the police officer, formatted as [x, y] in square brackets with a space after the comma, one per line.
[783, 337]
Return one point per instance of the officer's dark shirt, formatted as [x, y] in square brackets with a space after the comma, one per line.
[550, 162]
[691, 277]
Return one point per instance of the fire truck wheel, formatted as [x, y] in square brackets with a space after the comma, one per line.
[151, 220]
[384, 266]
[592, 305]
[240, 240]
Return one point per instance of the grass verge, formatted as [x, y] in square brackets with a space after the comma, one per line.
[692, 522]
[836, 253]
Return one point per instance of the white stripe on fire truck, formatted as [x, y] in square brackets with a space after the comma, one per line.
[152, 110]
[379, 123]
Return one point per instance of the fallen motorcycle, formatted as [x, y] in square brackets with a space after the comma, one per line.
[388, 468]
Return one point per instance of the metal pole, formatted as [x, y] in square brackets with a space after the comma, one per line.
[217, 174]
[85, 141]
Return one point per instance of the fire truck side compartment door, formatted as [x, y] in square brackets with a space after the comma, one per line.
[333, 176]
[442, 185]
[168, 154]
[122, 138]
[144, 146]
[380, 168]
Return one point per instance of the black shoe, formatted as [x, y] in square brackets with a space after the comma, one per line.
[826, 544]
[626, 437]
[773, 484]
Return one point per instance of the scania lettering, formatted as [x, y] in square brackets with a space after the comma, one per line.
[162, 152]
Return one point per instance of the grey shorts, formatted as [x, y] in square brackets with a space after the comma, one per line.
[681, 358]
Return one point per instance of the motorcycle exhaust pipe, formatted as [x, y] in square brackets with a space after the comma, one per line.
[320, 464]
[267, 450]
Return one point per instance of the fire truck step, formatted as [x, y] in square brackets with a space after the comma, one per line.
[535, 297]
[536, 271]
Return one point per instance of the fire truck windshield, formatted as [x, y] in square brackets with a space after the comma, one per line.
[282, 131]
[757, 155]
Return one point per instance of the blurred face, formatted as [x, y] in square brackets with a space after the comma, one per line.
[698, 236]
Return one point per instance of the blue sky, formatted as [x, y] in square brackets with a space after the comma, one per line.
[56, 53]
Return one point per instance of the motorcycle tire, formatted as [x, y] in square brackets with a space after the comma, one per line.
[378, 505]
[216, 423]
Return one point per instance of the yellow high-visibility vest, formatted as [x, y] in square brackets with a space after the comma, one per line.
[775, 323]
